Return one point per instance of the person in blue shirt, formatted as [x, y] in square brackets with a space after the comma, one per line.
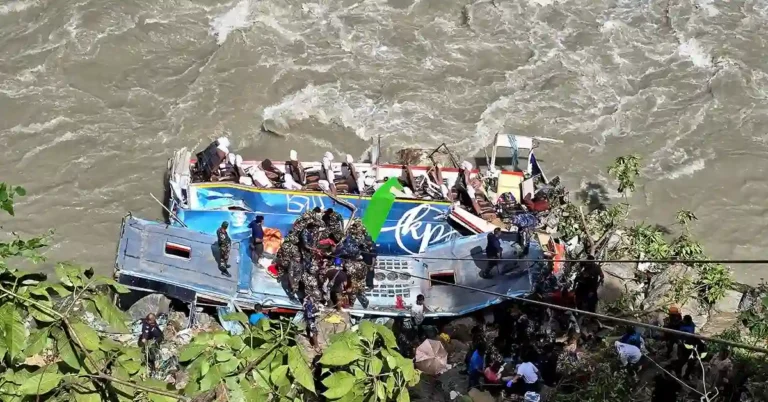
[476, 366]
[493, 252]
[257, 315]
[257, 238]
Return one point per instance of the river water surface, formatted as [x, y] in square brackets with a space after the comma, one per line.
[95, 95]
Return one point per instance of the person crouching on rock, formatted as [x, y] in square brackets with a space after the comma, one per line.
[310, 318]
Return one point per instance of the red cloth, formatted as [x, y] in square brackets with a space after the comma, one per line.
[491, 376]
[272, 270]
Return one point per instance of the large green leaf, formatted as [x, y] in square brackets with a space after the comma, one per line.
[223, 355]
[406, 367]
[389, 338]
[42, 383]
[14, 330]
[300, 370]
[367, 330]
[236, 316]
[3, 348]
[42, 314]
[90, 396]
[64, 347]
[279, 376]
[339, 384]
[211, 379]
[236, 393]
[404, 396]
[340, 353]
[376, 365]
[254, 393]
[229, 366]
[109, 313]
[131, 366]
[37, 342]
[160, 386]
[122, 391]
[191, 351]
[87, 336]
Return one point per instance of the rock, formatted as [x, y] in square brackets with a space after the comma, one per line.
[461, 328]
[457, 350]
[730, 303]
[177, 320]
[206, 322]
[619, 280]
[660, 288]
[481, 396]
[719, 322]
[154, 304]
[699, 313]
[429, 389]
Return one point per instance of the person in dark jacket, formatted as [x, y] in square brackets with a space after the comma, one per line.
[492, 252]
[257, 238]
[225, 246]
[588, 281]
[151, 337]
[665, 388]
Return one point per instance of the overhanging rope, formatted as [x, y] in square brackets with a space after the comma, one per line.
[590, 314]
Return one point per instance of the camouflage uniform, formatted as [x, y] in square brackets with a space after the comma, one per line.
[225, 245]
[312, 283]
[295, 271]
[335, 225]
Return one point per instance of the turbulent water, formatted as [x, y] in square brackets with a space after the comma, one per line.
[95, 95]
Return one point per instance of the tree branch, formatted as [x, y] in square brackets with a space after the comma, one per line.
[109, 378]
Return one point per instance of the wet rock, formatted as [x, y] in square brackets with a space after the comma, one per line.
[619, 280]
[461, 328]
[154, 304]
[429, 389]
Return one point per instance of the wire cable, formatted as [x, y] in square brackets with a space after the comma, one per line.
[590, 314]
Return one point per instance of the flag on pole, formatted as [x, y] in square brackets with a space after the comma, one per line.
[379, 206]
[534, 168]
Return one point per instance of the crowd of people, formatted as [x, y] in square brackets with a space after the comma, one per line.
[535, 347]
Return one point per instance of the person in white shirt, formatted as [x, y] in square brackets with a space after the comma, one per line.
[417, 313]
[628, 354]
[526, 378]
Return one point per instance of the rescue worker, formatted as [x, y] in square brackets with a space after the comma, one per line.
[492, 252]
[225, 245]
[150, 338]
[295, 177]
[295, 272]
[307, 244]
[257, 238]
[369, 258]
[334, 222]
[588, 281]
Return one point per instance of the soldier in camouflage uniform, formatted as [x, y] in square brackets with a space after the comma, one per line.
[334, 223]
[356, 268]
[225, 245]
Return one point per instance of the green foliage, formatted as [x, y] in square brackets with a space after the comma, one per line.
[625, 170]
[684, 217]
[49, 352]
[647, 241]
[597, 381]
